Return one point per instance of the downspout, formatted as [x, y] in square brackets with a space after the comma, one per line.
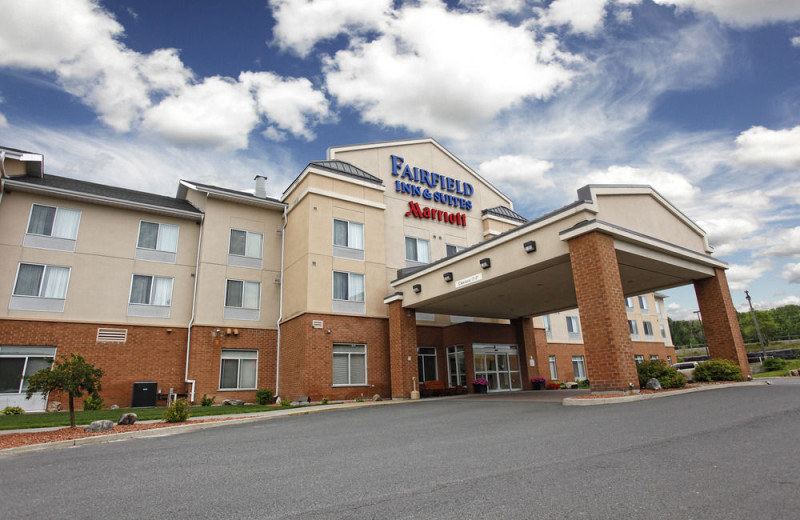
[280, 304]
[194, 309]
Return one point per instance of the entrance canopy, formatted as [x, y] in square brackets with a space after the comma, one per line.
[527, 271]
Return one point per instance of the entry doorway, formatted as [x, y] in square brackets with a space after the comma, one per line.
[498, 364]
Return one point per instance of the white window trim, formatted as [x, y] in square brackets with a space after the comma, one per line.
[581, 361]
[348, 273]
[576, 333]
[349, 366]
[349, 233]
[225, 301]
[231, 355]
[246, 238]
[416, 260]
[553, 365]
[158, 237]
[57, 208]
[461, 378]
[152, 280]
[633, 328]
[651, 334]
[643, 304]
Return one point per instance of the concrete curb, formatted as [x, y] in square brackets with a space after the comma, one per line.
[577, 401]
[187, 427]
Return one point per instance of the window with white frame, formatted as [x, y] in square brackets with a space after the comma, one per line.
[553, 368]
[40, 287]
[547, 328]
[54, 222]
[648, 329]
[663, 333]
[238, 370]
[660, 308]
[643, 304]
[633, 328]
[653, 357]
[453, 250]
[573, 327]
[349, 364]
[246, 243]
[669, 360]
[348, 234]
[426, 363]
[418, 250]
[629, 304]
[578, 368]
[243, 294]
[158, 237]
[456, 366]
[639, 358]
[348, 286]
[151, 290]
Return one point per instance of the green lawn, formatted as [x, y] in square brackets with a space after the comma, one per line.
[793, 364]
[42, 420]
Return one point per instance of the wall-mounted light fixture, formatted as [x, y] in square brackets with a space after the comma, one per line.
[448, 276]
[530, 246]
[486, 263]
[417, 288]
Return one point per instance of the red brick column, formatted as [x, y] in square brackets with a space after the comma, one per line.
[609, 352]
[719, 320]
[523, 328]
[402, 349]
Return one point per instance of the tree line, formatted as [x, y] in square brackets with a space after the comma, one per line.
[779, 323]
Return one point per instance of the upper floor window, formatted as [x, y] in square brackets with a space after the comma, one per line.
[660, 308]
[547, 329]
[633, 328]
[453, 250]
[40, 288]
[348, 293]
[151, 296]
[629, 304]
[639, 358]
[643, 304]
[648, 329]
[51, 227]
[242, 300]
[246, 243]
[418, 250]
[157, 242]
[573, 327]
[348, 239]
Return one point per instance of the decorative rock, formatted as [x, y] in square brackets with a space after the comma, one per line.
[114, 407]
[127, 418]
[232, 402]
[100, 426]
[654, 384]
[54, 406]
[377, 397]
[571, 384]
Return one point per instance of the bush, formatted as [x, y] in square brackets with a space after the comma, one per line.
[177, 411]
[553, 386]
[13, 410]
[93, 402]
[771, 364]
[324, 400]
[659, 369]
[584, 384]
[207, 401]
[286, 402]
[718, 370]
[264, 396]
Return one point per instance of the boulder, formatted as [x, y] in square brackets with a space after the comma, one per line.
[54, 406]
[302, 400]
[100, 426]
[377, 397]
[232, 402]
[127, 418]
[654, 384]
[114, 407]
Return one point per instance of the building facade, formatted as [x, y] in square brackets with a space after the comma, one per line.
[221, 292]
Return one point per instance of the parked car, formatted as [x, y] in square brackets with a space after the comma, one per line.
[686, 368]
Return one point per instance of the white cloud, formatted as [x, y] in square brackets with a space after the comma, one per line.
[760, 146]
[299, 25]
[742, 13]
[584, 16]
[518, 175]
[766, 305]
[495, 7]
[3, 121]
[791, 273]
[740, 277]
[431, 70]
[795, 41]
[673, 186]
[785, 243]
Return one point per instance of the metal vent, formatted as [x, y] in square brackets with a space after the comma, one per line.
[112, 335]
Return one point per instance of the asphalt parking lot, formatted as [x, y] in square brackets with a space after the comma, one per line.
[728, 453]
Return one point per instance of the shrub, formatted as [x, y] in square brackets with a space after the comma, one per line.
[264, 396]
[584, 384]
[359, 399]
[13, 410]
[771, 364]
[177, 411]
[207, 401]
[286, 402]
[324, 400]
[93, 402]
[553, 386]
[659, 369]
[718, 370]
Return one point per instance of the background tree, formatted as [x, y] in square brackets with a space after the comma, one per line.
[73, 376]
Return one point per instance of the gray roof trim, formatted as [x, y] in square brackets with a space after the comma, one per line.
[348, 169]
[226, 193]
[504, 212]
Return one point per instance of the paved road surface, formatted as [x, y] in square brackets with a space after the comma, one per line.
[721, 454]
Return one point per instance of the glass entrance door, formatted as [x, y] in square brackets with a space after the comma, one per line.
[498, 364]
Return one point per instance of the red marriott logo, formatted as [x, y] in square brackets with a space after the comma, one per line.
[459, 219]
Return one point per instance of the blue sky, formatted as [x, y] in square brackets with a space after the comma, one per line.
[698, 98]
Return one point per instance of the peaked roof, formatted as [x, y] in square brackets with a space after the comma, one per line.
[504, 212]
[347, 169]
[209, 188]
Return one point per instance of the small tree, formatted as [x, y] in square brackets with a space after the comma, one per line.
[72, 375]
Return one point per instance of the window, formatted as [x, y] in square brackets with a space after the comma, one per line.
[17, 364]
[629, 304]
[669, 360]
[42, 281]
[548, 331]
[648, 329]
[418, 250]
[348, 234]
[633, 327]
[453, 250]
[643, 304]
[653, 357]
[349, 364]
[158, 237]
[638, 358]
[54, 222]
[151, 290]
[456, 367]
[348, 286]
[243, 295]
[426, 361]
[238, 370]
[573, 328]
[553, 368]
[246, 243]
[578, 368]
[663, 333]
[660, 308]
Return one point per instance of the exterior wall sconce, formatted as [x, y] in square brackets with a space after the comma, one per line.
[530, 246]
[448, 276]
[486, 263]
[417, 288]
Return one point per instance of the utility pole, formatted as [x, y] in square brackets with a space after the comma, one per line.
[758, 331]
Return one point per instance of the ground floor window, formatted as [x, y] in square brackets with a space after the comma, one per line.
[553, 368]
[638, 358]
[349, 364]
[426, 361]
[653, 357]
[498, 364]
[17, 364]
[578, 368]
[238, 370]
[456, 368]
